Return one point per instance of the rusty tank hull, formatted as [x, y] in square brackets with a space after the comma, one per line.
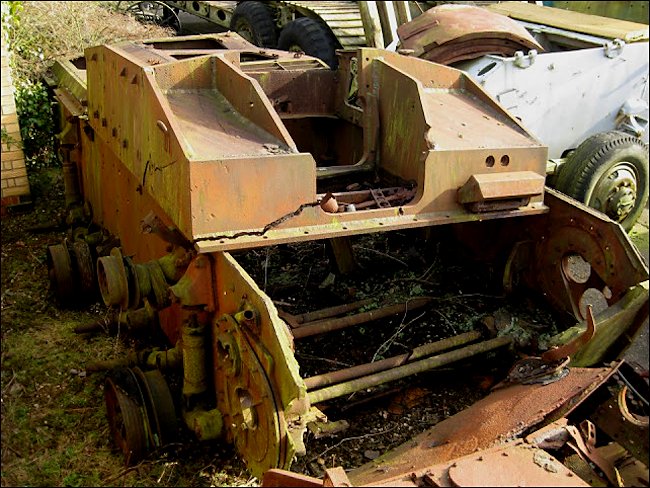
[189, 149]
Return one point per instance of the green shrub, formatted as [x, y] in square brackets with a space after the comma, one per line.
[38, 33]
[33, 106]
[37, 126]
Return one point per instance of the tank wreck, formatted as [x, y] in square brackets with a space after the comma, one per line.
[184, 157]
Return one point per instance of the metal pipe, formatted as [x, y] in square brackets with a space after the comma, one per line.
[425, 350]
[328, 325]
[400, 372]
[326, 313]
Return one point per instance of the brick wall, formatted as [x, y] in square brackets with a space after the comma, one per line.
[15, 187]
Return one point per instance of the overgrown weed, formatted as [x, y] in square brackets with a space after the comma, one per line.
[54, 426]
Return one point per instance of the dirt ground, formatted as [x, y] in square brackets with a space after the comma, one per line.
[54, 429]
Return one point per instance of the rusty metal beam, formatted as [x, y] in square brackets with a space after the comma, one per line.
[400, 372]
[329, 325]
[425, 350]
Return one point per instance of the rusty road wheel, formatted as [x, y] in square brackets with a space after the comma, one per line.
[160, 406]
[111, 276]
[126, 423]
[85, 266]
[60, 271]
[246, 398]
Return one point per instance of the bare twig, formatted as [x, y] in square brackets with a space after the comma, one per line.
[415, 280]
[444, 317]
[429, 269]
[388, 342]
[16, 452]
[331, 361]
[125, 471]
[382, 254]
[355, 438]
[304, 286]
[266, 268]
[13, 377]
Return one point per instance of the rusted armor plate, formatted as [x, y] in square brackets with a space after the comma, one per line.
[511, 465]
[501, 415]
[438, 33]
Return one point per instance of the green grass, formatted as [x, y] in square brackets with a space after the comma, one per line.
[54, 427]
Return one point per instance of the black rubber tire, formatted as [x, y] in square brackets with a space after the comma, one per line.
[312, 37]
[170, 18]
[254, 21]
[595, 160]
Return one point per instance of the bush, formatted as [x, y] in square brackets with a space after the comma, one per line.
[37, 127]
[38, 33]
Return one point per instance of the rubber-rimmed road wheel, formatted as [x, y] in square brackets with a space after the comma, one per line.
[254, 22]
[158, 13]
[312, 38]
[609, 172]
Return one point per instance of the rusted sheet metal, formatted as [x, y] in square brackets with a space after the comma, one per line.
[574, 256]
[230, 126]
[197, 154]
[626, 428]
[614, 327]
[510, 465]
[280, 478]
[615, 262]
[257, 383]
[502, 415]
[502, 185]
[450, 33]
[570, 348]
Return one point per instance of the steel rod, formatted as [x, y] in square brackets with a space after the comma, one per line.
[326, 313]
[409, 369]
[328, 325]
[326, 379]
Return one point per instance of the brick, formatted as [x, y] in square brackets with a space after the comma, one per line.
[4, 184]
[15, 155]
[22, 181]
[9, 118]
[11, 128]
[12, 146]
[12, 200]
[9, 109]
[7, 99]
[7, 90]
[15, 191]
[19, 164]
[14, 173]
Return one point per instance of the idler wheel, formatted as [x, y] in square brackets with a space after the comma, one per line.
[126, 424]
[60, 271]
[159, 286]
[85, 268]
[111, 276]
[133, 285]
[160, 406]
